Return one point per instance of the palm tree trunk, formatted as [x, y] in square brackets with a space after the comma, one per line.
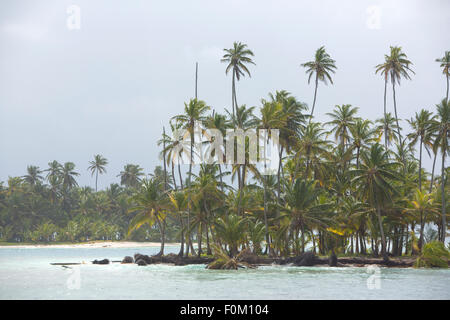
[173, 176]
[162, 227]
[189, 197]
[447, 89]
[444, 218]
[181, 237]
[315, 95]
[385, 123]
[396, 118]
[432, 172]
[383, 239]
[179, 174]
[233, 93]
[278, 179]
[420, 163]
[96, 178]
[199, 239]
[164, 160]
[265, 217]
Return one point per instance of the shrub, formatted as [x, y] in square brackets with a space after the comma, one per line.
[434, 255]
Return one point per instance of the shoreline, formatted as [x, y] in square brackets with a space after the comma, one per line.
[90, 244]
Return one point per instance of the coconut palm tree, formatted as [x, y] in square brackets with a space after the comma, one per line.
[422, 132]
[343, 118]
[387, 127]
[98, 165]
[194, 111]
[362, 136]
[374, 180]
[237, 58]
[68, 175]
[33, 176]
[150, 205]
[131, 175]
[303, 207]
[54, 169]
[445, 65]
[421, 204]
[395, 66]
[179, 204]
[321, 67]
[442, 143]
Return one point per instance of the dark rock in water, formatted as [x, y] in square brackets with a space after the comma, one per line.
[128, 259]
[332, 260]
[306, 259]
[141, 262]
[144, 257]
[104, 261]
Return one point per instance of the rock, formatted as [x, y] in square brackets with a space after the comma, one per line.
[144, 257]
[141, 262]
[104, 261]
[307, 259]
[128, 259]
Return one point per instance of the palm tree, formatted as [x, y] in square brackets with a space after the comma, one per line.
[149, 208]
[97, 166]
[387, 127]
[421, 204]
[68, 175]
[303, 207]
[194, 111]
[33, 176]
[375, 183]
[422, 133]
[321, 66]
[445, 65]
[442, 143]
[179, 204]
[395, 66]
[343, 118]
[130, 177]
[237, 58]
[54, 169]
[362, 136]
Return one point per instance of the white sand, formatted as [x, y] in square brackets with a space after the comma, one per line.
[95, 244]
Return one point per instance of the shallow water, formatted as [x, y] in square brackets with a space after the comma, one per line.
[27, 274]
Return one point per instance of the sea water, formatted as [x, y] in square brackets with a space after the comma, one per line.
[26, 273]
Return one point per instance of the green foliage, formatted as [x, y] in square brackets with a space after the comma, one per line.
[434, 255]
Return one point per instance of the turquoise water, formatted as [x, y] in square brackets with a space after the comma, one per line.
[27, 274]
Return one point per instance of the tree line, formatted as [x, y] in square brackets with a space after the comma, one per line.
[349, 185]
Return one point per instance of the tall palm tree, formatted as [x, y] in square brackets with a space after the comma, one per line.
[395, 66]
[321, 67]
[68, 175]
[194, 111]
[445, 65]
[98, 165]
[375, 183]
[442, 143]
[150, 205]
[237, 58]
[131, 175]
[422, 133]
[343, 118]
[33, 176]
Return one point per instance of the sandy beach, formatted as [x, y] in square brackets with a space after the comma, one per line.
[93, 244]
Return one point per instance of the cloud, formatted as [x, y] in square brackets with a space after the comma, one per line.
[27, 31]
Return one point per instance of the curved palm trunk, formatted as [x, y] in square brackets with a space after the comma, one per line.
[179, 174]
[444, 218]
[432, 172]
[396, 118]
[315, 95]
[383, 239]
[162, 227]
[173, 176]
[422, 225]
[181, 237]
[385, 123]
[279, 182]
[268, 246]
[447, 89]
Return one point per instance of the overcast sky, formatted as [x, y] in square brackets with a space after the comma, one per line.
[109, 87]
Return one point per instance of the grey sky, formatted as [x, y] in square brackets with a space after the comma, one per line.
[109, 87]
